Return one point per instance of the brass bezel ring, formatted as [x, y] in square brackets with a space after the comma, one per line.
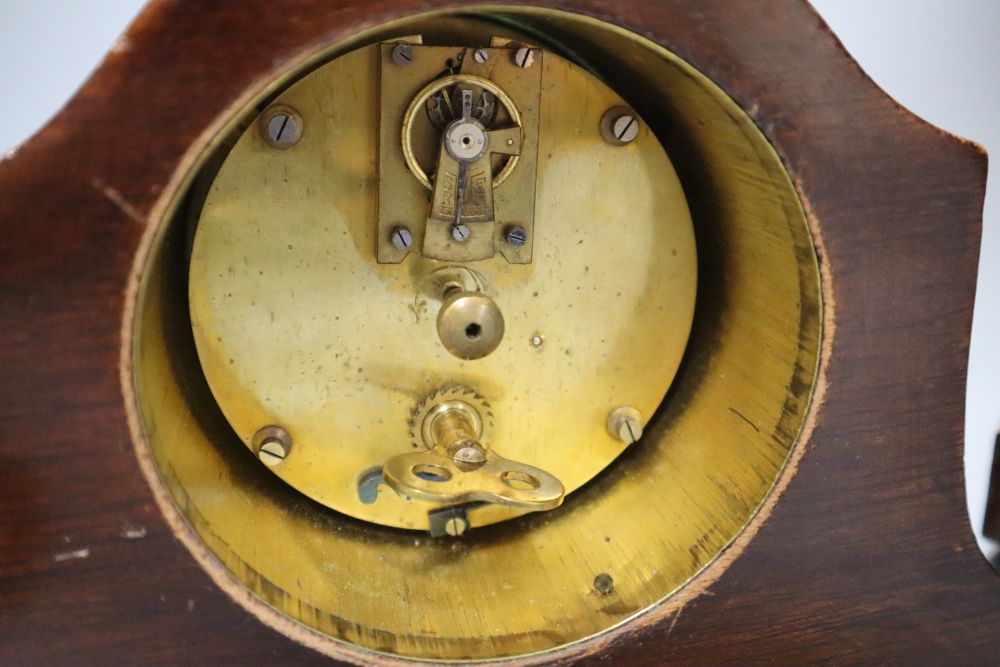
[421, 99]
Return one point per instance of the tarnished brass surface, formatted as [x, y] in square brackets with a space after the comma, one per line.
[408, 148]
[298, 324]
[651, 522]
[469, 324]
[453, 427]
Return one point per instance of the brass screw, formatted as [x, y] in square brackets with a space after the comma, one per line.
[619, 126]
[272, 444]
[524, 57]
[402, 54]
[272, 453]
[625, 424]
[281, 127]
[455, 526]
[625, 128]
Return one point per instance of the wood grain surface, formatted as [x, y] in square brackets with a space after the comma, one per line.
[868, 558]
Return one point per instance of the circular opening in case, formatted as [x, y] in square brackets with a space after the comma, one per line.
[649, 522]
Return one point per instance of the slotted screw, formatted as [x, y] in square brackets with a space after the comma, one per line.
[281, 128]
[524, 57]
[402, 54]
[625, 128]
[401, 238]
[516, 236]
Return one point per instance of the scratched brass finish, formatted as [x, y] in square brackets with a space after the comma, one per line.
[655, 517]
[298, 324]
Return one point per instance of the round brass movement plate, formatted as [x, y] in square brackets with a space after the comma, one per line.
[297, 324]
[318, 355]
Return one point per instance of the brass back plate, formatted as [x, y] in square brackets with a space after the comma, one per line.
[657, 517]
[297, 324]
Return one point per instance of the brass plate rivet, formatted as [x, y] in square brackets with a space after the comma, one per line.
[604, 584]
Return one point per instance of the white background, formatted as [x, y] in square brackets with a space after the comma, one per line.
[939, 58]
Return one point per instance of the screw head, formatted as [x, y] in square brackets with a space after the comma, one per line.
[281, 127]
[625, 128]
[467, 455]
[461, 233]
[272, 444]
[401, 237]
[516, 236]
[480, 56]
[524, 57]
[619, 126]
[455, 526]
[402, 54]
[272, 453]
[625, 424]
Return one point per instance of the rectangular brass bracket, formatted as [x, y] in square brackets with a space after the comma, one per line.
[404, 201]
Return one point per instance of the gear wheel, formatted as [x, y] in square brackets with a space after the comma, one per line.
[457, 396]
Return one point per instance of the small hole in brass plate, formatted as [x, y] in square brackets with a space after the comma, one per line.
[519, 480]
[431, 473]
[473, 331]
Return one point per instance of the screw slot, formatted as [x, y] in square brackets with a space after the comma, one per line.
[524, 57]
[455, 526]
